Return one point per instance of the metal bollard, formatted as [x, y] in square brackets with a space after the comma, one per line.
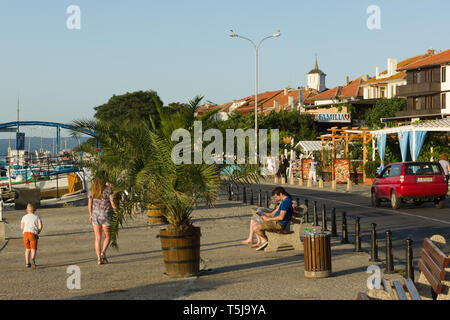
[324, 219]
[389, 254]
[344, 228]
[237, 193]
[307, 211]
[229, 193]
[333, 223]
[251, 197]
[244, 195]
[267, 199]
[357, 236]
[259, 198]
[409, 260]
[374, 244]
[315, 217]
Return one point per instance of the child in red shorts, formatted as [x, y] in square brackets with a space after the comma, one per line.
[31, 225]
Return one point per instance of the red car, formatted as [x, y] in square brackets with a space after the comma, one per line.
[414, 182]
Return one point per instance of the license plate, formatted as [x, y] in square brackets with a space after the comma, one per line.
[424, 180]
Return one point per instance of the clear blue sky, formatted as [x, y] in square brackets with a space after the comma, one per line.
[182, 48]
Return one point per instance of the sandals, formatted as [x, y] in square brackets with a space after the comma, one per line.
[103, 258]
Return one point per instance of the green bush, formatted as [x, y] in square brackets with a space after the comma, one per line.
[370, 169]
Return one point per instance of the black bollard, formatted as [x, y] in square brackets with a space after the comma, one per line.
[409, 260]
[324, 219]
[315, 217]
[374, 244]
[333, 223]
[307, 211]
[259, 198]
[237, 193]
[389, 254]
[344, 228]
[244, 195]
[229, 193]
[267, 199]
[251, 197]
[357, 236]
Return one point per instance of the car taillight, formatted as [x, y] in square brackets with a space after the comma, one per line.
[402, 179]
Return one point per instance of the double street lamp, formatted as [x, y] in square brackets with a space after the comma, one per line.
[275, 35]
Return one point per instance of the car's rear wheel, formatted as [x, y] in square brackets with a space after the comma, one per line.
[375, 200]
[439, 203]
[395, 201]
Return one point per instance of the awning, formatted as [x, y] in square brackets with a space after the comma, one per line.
[311, 146]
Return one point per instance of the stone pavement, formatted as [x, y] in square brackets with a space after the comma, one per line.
[136, 271]
[358, 189]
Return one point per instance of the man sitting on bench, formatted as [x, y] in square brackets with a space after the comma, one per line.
[279, 220]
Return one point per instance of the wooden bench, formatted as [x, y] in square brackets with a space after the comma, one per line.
[290, 235]
[434, 279]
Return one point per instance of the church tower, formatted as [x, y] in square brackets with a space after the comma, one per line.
[316, 78]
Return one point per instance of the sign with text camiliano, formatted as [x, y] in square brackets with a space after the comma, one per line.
[235, 153]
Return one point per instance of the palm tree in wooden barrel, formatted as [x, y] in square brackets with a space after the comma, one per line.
[137, 159]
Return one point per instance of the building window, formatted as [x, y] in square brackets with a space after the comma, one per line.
[415, 73]
[443, 101]
[382, 92]
[416, 104]
[443, 74]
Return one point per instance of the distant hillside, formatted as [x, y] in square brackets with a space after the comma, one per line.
[35, 143]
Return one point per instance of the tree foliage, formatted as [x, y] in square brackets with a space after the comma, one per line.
[384, 108]
[135, 106]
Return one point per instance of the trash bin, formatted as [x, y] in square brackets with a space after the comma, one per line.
[317, 255]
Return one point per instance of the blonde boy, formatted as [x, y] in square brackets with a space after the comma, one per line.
[31, 225]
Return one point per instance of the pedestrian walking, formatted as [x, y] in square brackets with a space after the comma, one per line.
[445, 165]
[313, 170]
[101, 207]
[31, 226]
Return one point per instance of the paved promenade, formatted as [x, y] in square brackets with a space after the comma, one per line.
[232, 271]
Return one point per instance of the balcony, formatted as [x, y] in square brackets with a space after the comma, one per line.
[418, 89]
[419, 113]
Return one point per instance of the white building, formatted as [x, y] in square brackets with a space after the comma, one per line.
[316, 79]
[384, 85]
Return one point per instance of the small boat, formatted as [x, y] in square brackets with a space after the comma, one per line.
[55, 177]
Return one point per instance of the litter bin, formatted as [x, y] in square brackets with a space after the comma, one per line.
[317, 255]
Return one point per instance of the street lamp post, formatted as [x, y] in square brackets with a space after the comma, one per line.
[234, 35]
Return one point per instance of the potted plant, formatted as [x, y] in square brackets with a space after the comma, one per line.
[137, 159]
[370, 169]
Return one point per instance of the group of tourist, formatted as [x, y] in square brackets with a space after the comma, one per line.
[100, 205]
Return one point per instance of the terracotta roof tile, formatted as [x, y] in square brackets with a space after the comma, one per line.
[436, 59]
[352, 90]
[400, 65]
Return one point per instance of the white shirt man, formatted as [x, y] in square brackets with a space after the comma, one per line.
[313, 170]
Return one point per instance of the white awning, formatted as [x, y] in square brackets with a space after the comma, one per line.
[311, 146]
[436, 125]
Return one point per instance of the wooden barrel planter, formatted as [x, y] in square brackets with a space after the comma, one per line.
[155, 215]
[181, 251]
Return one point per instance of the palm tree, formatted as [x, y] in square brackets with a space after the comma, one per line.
[136, 159]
